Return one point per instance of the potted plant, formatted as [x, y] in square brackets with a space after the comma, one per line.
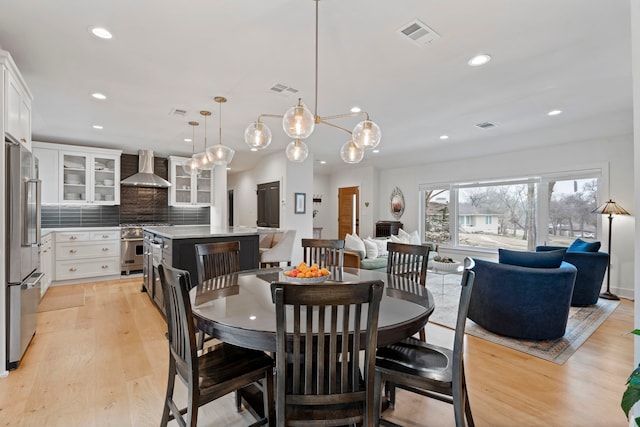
[632, 393]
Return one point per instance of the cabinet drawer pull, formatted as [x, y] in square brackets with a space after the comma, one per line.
[105, 236]
[72, 238]
[72, 269]
[105, 249]
[72, 251]
[105, 266]
[23, 139]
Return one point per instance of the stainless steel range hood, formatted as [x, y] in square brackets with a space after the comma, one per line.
[145, 176]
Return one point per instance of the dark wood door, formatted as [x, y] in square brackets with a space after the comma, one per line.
[269, 204]
[348, 211]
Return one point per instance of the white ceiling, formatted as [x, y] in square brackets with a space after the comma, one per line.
[572, 55]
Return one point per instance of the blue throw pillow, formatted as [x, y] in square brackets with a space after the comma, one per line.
[546, 259]
[580, 245]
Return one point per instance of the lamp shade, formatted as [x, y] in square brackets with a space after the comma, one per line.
[366, 135]
[221, 154]
[257, 135]
[298, 122]
[204, 160]
[351, 153]
[610, 208]
[297, 151]
[190, 166]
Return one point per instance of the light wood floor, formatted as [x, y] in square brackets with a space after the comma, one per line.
[104, 364]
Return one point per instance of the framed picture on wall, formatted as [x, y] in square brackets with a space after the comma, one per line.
[301, 203]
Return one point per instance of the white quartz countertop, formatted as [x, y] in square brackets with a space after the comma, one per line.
[197, 231]
[45, 231]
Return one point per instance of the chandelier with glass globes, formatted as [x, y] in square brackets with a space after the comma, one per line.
[299, 122]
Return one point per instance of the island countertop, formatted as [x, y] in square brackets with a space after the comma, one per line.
[200, 231]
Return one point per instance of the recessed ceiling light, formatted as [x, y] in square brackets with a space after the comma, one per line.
[479, 60]
[554, 112]
[355, 109]
[254, 149]
[376, 151]
[97, 127]
[187, 140]
[323, 162]
[101, 32]
[228, 169]
[444, 136]
[99, 95]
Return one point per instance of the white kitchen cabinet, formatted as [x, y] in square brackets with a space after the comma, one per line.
[85, 254]
[17, 102]
[187, 190]
[78, 175]
[46, 262]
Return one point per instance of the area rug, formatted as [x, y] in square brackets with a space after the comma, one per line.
[60, 297]
[583, 321]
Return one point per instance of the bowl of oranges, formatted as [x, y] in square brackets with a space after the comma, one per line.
[304, 273]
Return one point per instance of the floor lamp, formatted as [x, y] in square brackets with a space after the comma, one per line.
[610, 208]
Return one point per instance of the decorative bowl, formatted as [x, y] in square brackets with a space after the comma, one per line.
[448, 267]
[319, 279]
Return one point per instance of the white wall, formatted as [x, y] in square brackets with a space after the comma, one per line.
[615, 154]
[293, 178]
[635, 48]
[325, 216]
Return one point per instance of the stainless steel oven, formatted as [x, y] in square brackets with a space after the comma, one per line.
[132, 249]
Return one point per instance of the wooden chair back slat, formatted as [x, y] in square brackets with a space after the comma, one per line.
[408, 260]
[324, 252]
[217, 259]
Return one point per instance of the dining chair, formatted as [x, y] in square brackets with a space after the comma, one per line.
[320, 331]
[409, 261]
[218, 371]
[216, 259]
[213, 260]
[427, 369]
[324, 252]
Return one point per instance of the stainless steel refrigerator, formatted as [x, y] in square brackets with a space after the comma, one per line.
[23, 250]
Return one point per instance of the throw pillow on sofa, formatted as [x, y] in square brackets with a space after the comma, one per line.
[412, 238]
[580, 245]
[382, 246]
[371, 248]
[353, 243]
[547, 259]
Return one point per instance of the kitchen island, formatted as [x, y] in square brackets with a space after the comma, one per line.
[175, 245]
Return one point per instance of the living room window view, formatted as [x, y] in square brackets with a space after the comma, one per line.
[516, 214]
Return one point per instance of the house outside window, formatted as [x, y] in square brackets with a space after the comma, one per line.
[513, 214]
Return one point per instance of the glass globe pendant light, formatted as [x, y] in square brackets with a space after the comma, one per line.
[351, 153]
[298, 122]
[257, 135]
[190, 165]
[366, 135]
[221, 155]
[297, 151]
[204, 160]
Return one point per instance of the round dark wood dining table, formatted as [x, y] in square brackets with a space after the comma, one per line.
[238, 309]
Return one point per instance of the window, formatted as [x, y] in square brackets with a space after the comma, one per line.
[516, 214]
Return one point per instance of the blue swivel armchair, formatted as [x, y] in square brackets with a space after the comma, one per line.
[592, 267]
[522, 302]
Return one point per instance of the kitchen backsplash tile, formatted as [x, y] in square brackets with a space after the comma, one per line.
[109, 216]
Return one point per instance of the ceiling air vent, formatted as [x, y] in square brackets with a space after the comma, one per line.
[419, 33]
[177, 112]
[485, 125]
[283, 90]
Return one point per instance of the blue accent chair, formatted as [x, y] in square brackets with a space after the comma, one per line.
[522, 302]
[592, 267]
